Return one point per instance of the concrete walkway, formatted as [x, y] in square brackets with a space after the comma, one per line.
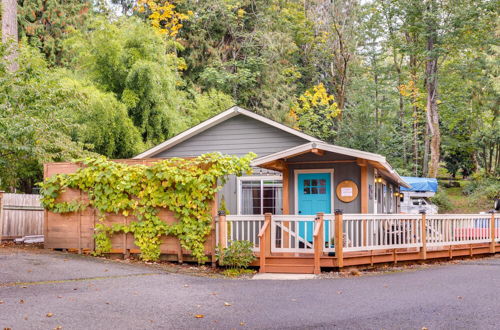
[77, 292]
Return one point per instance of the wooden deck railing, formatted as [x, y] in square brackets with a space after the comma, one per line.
[320, 234]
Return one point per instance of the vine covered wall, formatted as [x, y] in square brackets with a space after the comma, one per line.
[186, 187]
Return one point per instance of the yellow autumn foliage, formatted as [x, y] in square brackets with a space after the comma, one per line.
[163, 16]
[315, 99]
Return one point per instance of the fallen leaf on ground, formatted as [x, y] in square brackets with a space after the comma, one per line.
[185, 285]
[242, 323]
[339, 292]
[21, 301]
[227, 304]
[58, 327]
[1, 301]
[199, 316]
[24, 286]
[59, 296]
[460, 297]
[49, 315]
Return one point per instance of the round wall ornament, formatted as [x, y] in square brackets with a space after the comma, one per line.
[347, 191]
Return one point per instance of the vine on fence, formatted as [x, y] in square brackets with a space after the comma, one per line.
[184, 186]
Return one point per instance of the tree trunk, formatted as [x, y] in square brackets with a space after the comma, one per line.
[431, 79]
[425, 158]
[9, 32]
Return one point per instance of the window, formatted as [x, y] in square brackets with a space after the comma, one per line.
[315, 187]
[259, 196]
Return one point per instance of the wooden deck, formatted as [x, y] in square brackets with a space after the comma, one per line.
[281, 245]
[305, 263]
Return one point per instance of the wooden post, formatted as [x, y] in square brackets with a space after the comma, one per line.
[319, 241]
[339, 238]
[424, 235]
[1, 215]
[125, 239]
[213, 233]
[222, 232]
[80, 227]
[264, 241]
[493, 232]
[268, 219]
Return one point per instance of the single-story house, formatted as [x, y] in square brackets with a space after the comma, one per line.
[294, 173]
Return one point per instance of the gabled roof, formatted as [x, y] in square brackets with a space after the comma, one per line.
[230, 113]
[375, 158]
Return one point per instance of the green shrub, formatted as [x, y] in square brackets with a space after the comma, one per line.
[442, 200]
[238, 254]
[483, 187]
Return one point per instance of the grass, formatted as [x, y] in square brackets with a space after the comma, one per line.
[463, 204]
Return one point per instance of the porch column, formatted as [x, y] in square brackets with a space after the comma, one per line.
[286, 187]
[286, 204]
[364, 184]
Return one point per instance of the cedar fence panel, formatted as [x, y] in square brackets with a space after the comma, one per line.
[76, 230]
[20, 215]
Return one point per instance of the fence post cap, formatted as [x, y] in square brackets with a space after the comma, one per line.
[422, 211]
[491, 211]
[339, 211]
[221, 212]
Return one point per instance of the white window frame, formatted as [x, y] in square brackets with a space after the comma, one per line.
[296, 186]
[260, 178]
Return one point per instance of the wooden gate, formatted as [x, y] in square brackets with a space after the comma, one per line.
[20, 215]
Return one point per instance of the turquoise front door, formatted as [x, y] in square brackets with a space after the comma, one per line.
[314, 195]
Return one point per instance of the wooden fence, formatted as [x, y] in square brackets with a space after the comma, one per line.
[75, 231]
[20, 215]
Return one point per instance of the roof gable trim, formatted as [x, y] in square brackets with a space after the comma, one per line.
[223, 116]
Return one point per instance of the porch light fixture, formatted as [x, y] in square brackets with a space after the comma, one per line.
[396, 194]
[401, 194]
[378, 180]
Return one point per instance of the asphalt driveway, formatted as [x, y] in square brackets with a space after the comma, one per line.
[55, 290]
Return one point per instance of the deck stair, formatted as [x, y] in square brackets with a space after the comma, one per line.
[290, 264]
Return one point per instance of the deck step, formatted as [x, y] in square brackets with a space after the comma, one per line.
[289, 261]
[290, 268]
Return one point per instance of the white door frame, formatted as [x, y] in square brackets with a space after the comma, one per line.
[296, 186]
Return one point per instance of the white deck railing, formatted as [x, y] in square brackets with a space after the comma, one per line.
[455, 229]
[242, 228]
[381, 231]
[363, 232]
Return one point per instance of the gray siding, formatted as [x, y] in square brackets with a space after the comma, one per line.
[341, 172]
[236, 136]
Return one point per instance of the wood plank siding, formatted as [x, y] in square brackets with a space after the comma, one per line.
[235, 136]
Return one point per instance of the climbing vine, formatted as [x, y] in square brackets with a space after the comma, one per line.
[184, 186]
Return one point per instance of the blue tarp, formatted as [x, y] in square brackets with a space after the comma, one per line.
[420, 184]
